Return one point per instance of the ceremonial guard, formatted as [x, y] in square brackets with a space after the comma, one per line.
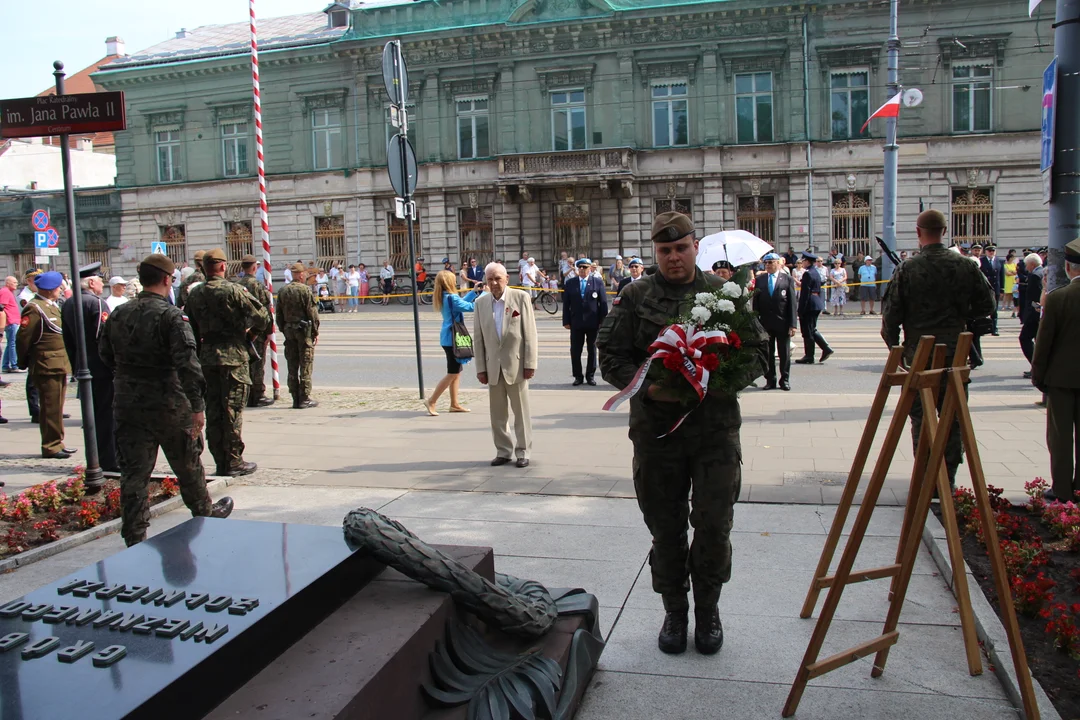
[158, 399]
[196, 277]
[222, 314]
[298, 318]
[25, 296]
[40, 345]
[694, 473]
[95, 312]
[811, 303]
[260, 338]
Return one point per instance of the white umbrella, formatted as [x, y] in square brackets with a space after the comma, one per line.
[738, 247]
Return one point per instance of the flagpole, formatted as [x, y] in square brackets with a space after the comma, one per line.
[888, 214]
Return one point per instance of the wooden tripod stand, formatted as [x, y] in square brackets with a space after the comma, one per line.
[926, 377]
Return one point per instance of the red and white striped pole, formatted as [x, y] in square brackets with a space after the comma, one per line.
[264, 216]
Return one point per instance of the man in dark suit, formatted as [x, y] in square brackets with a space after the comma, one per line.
[584, 308]
[994, 270]
[774, 302]
[1029, 326]
[637, 269]
[810, 306]
[95, 312]
[1053, 371]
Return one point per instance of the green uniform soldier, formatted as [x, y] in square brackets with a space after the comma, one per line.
[222, 315]
[298, 318]
[157, 399]
[702, 457]
[196, 277]
[937, 293]
[40, 346]
[260, 337]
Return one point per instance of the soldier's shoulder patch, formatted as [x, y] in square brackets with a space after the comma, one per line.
[184, 317]
[104, 316]
[25, 321]
[617, 300]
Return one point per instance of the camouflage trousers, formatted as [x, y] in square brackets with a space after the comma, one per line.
[138, 441]
[954, 448]
[300, 358]
[257, 370]
[225, 400]
[693, 480]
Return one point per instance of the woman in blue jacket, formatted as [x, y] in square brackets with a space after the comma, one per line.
[452, 306]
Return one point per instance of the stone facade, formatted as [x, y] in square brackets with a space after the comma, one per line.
[597, 115]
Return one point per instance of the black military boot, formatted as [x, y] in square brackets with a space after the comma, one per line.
[244, 468]
[309, 403]
[708, 630]
[672, 638]
[222, 508]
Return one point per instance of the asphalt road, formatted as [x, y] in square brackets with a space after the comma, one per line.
[375, 348]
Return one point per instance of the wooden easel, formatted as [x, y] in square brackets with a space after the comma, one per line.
[923, 379]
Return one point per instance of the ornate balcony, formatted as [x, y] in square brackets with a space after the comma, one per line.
[552, 168]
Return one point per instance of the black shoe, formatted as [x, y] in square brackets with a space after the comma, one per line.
[825, 354]
[1027, 375]
[672, 639]
[66, 416]
[264, 402]
[3, 421]
[996, 334]
[35, 420]
[708, 631]
[304, 404]
[244, 468]
[771, 385]
[62, 455]
[578, 381]
[499, 461]
[784, 385]
[523, 462]
[590, 381]
[222, 508]
[805, 361]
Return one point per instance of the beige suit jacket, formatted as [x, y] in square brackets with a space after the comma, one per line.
[505, 358]
[1057, 344]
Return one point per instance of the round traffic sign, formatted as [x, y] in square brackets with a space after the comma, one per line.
[394, 73]
[393, 161]
[53, 236]
[40, 220]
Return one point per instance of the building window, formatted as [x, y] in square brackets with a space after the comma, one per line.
[234, 148]
[679, 205]
[671, 126]
[397, 236]
[568, 120]
[851, 223]
[754, 107]
[96, 249]
[391, 131]
[175, 240]
[472, 125]
[572, 225]
[971, 95]
[972, 216]
[326, 137]
[477, 236]
[756, 214]
[329, 241]
[850, 103]
[237, 244]
[169, 164]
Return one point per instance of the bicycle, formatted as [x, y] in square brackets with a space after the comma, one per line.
[546, 300]
[401, 288]
[426, 295]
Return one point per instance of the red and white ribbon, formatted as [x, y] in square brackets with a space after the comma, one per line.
[686, 343]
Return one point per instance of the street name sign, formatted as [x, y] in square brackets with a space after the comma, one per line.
[62, 114]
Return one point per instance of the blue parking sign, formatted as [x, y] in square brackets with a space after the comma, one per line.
[1048, 103]
[41, 240]
[157, 248]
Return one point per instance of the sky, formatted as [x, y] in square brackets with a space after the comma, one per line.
[75, 32]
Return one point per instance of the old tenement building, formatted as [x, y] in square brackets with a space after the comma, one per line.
[551, 125]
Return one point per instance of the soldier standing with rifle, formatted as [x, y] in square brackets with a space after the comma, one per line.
[298, 318]
[158, 399]
[260, 337]
[222, 314]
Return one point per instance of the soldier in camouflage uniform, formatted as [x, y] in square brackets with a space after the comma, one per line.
[298, 318]
[157, 399]
[196, 277]
[222, 315]
[937, 293]
[260, 337]
[703, 457]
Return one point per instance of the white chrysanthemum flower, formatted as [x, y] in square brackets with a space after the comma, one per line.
[746, 290]
[701, 314]
[731, 290]
[704, 299]
[725, 306]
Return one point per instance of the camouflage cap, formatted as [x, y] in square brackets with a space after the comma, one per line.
[161, 262]
[199, 255]
[1072, 251]
[248, 260]
[298, 267]
[931, 220]
[671, 226]
[31, 273]
[216, 255]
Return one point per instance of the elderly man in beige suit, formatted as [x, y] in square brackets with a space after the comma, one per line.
[504, 343]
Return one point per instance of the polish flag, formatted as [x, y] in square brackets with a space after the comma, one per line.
[890, 109]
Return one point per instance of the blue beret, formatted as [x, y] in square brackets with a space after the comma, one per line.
[770, 256]
[48, 280]
[583, 261]
[636, 261]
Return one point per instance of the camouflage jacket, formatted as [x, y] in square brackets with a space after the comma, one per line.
[222, 314]
[937, 293]
[185, 287]
[296, 309]
[150, 347]
[260, 293]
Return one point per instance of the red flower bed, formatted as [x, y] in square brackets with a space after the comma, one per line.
[52, 510]
[1040, 544]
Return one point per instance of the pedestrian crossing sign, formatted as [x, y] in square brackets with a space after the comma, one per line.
[157, 248]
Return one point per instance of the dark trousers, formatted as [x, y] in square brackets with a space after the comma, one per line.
[32, 403]
[779, 345]
[1063, 441]
[580, 337]
[994, 314]
[1021, 302]
[1027, 333]
[954, 448]
[810, 334]
[103, 423]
